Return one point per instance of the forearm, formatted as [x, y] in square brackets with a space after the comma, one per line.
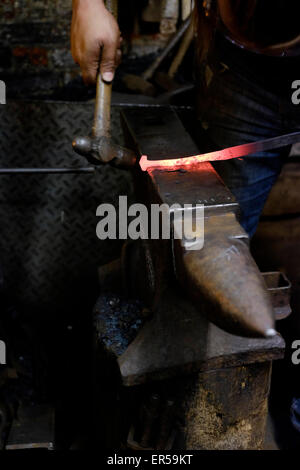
[82, 7]
[79, 3]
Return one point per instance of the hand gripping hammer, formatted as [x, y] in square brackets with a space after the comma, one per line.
[99, 148]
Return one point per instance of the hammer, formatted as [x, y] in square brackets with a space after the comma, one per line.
[99, 148]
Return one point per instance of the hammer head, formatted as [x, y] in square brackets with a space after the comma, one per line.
[138, 84]
[103, 150]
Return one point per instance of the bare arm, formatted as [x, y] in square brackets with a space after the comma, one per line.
[95, 35]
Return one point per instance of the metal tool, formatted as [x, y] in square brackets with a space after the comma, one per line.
[186, 42]
[279, 287]
[166, 80]
[100, 148]
[225, 154]
[141, 83]
[47, 171]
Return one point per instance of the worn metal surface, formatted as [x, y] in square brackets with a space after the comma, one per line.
[223, 271]
[48, 243]
[160, 131]
[200, 186]
[280, 289]
[103, 150]
[225, 274]
[119, 321]
[179, 340]
[199, 387]
[100, 148]
[32, 171]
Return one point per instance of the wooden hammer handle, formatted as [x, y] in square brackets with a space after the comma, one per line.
[101, 125]
[184, 46]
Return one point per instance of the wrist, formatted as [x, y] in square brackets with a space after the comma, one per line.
[85, 3]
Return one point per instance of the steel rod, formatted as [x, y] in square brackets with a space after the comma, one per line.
[12, 171]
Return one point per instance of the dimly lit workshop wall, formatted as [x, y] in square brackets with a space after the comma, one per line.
[35, 52]
[35, 56]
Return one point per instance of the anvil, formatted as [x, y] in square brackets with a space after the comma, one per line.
[223, 273]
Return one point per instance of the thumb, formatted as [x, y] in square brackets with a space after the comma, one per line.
[108, 61]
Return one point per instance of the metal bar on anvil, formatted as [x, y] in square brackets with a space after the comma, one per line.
[158, 132]
[228, 153]
[223, 272]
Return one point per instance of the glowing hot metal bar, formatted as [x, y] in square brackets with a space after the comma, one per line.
[226, 154]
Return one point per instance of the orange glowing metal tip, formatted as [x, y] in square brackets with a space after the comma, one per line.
[145, 164]
[226, 154]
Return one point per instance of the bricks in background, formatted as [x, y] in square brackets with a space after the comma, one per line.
[35, 40]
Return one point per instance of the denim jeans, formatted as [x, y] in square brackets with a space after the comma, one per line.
[241, 106]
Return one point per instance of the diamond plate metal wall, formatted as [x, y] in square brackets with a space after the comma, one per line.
[48, 244]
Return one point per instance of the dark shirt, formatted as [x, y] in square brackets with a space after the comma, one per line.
[276, 74]
[264, 22]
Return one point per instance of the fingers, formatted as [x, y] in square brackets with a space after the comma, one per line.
[108, 61]
[89, 75]
[110, 58]
[95, 37]
[89, 68]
